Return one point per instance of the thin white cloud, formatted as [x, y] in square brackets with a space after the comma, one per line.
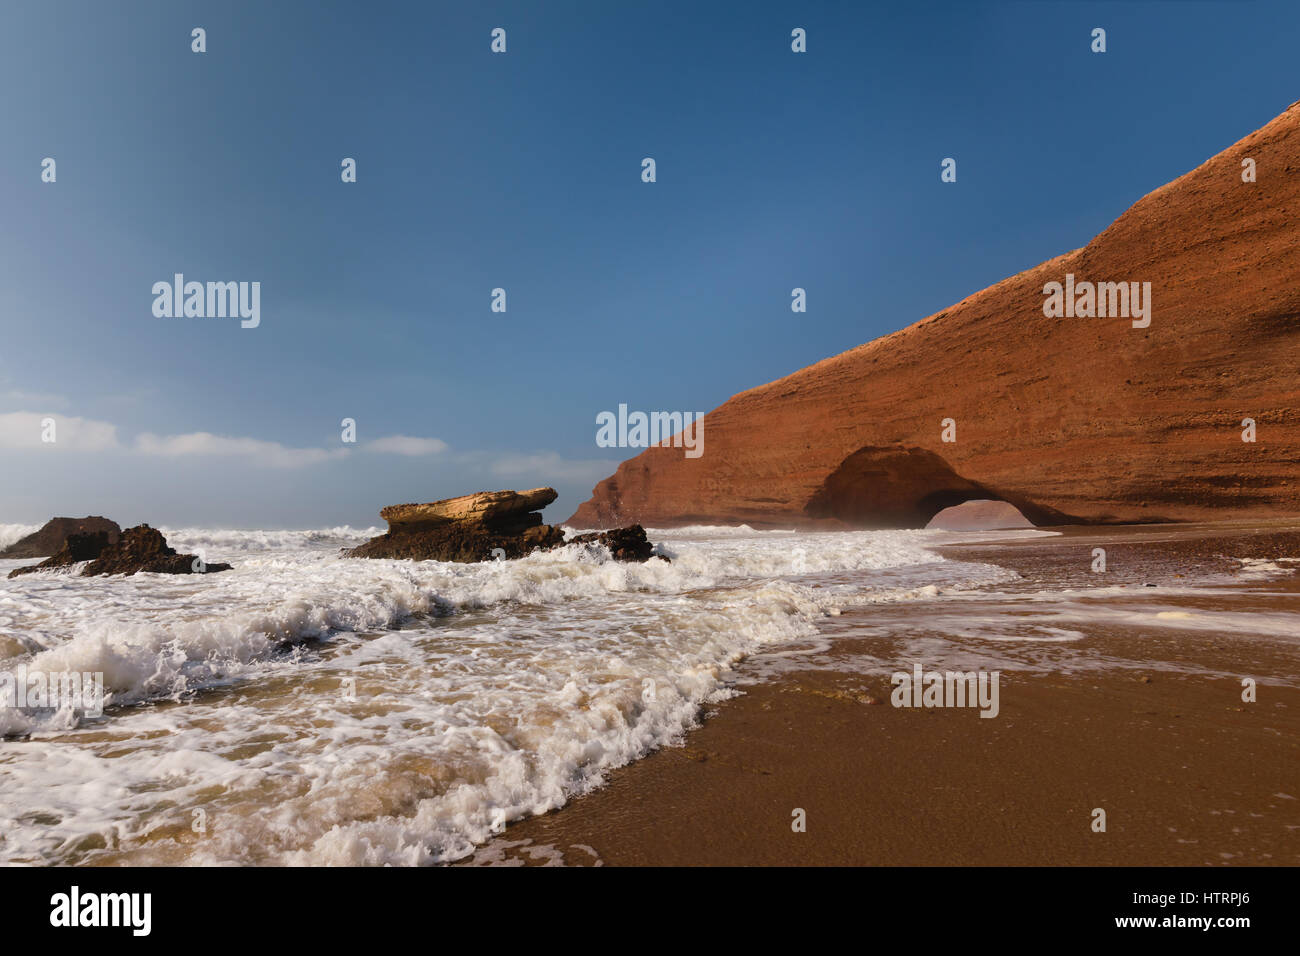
[24, 399]
[24, 430]
[20, 430]
[548, 467]
[406, 445]
[269, 453]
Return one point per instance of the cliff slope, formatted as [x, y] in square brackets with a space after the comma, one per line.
[1086, 419]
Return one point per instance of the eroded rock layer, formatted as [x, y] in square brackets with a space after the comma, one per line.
[485, 507]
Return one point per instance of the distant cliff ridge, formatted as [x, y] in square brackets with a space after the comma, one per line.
[1134, 416]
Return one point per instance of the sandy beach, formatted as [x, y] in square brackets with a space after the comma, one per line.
[1145, 722]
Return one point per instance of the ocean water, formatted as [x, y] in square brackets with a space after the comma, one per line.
[307, 708]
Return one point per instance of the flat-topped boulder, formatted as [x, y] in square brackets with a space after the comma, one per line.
[482, 507]
[52, 536]
[486, 526]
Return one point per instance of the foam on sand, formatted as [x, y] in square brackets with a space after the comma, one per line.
[320, 709]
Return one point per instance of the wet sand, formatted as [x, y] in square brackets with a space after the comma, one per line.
[1186, 771]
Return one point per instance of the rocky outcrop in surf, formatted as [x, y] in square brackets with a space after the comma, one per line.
[1135, 417]
[52, 536]
[624, 544]
[468, 528]
[141, 548]
[486, 526]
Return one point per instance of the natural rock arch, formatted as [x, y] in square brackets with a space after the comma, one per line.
[897, 486]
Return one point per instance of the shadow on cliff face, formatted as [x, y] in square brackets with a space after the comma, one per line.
[904, 487]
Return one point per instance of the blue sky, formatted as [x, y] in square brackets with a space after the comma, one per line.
[522, 170]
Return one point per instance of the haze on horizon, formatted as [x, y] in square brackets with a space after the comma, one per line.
[522, 171]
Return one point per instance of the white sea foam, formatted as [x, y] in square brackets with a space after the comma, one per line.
[9, 533]
[322, 709]
[192, 540]
[484, 692]
[1262, 569]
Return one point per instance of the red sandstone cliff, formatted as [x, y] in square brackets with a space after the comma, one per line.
[1069, 418]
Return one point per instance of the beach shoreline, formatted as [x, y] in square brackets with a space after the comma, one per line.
[1157, 735]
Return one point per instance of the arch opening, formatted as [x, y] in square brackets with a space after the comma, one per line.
[907, 487]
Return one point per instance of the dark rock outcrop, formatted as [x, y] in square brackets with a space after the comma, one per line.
[52, 536]
[463, 541]
[624, 544]
[485, 526]
[468, 528]
[141, 548]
